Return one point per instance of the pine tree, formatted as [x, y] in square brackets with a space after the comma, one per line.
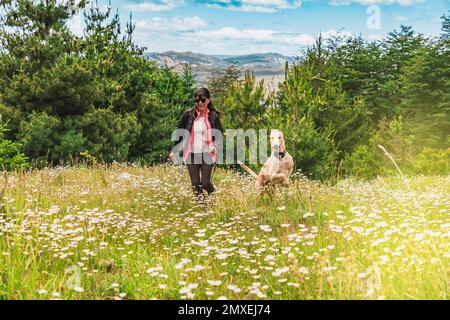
[245, 103]
[40, 69]
[426, 94]
[310, 90]
[220, 82]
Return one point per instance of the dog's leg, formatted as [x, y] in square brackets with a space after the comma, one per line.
[282, 178]
[259, 184]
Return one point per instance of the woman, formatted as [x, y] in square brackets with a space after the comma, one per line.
[200, 154]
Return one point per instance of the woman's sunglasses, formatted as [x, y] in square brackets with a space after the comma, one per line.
[203, 100]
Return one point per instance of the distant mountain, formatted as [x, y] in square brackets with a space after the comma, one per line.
[261, 59]
[269, 66]
[172, 59]
[222, 56]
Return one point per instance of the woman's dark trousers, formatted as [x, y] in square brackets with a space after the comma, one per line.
[200, 167]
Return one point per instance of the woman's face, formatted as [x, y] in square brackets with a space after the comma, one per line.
[202, 103]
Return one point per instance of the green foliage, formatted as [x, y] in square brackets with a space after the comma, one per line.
[400, 48]
[245, 103]
[426, 95]
[360, 68]
[63, 95]
[64, 88]
[70, 145]
[313, 150]
[39, 134]
[220, 82]
[445, 35]
[372, 70]
[12, 117]
[11, 157]
[392, 135]
[368, 161]
[361, 163]
[157, 123]
[431, 162]
[310, 91]
[108, 135]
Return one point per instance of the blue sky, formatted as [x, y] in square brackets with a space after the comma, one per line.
[284, 26]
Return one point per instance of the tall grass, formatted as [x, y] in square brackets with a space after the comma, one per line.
[130, 232]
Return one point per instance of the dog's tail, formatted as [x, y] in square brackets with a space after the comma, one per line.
[250, 171]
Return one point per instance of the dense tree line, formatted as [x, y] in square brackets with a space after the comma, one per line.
[345, 96]
[62, 96]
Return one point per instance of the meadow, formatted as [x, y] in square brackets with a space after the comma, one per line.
[133, 232]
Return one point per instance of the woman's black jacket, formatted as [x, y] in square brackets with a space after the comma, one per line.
[188, 117]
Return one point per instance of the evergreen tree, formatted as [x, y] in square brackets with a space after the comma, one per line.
[245, 103]
[426, 95]
[445, 35]
[311, 91]
[400, 48]
[221, 81]
[40, 69]
[11, 157]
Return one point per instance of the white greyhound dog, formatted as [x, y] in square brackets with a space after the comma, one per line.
[278, 167]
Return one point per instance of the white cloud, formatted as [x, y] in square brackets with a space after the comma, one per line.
[381, 2]
[154, 6]
[334, 33]
[375, 37]
[228, 40]
[264, 6]
[297, 40]
[231, 33]
[257, 36]
[76, 24]
[244, 8]
[170, 25]
[279, 4]
[401, 18]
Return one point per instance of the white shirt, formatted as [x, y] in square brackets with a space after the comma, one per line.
[200, 143]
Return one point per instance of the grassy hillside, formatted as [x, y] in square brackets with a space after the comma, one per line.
[128, 232]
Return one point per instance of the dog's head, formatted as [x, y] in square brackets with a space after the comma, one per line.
[277, 140]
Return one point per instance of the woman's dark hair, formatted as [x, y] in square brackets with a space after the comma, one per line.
[204, 92]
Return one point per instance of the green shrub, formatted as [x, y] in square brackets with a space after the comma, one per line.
[431, 162]
[108, 135]
[70, 145]
[368, 160]
[313, 150]
[11, 158]
[361, 163]
[39, 135]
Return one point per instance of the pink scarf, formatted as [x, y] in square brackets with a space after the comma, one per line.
[209, 132]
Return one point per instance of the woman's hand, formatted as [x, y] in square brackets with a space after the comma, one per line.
[171, 156]
[212, 149]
